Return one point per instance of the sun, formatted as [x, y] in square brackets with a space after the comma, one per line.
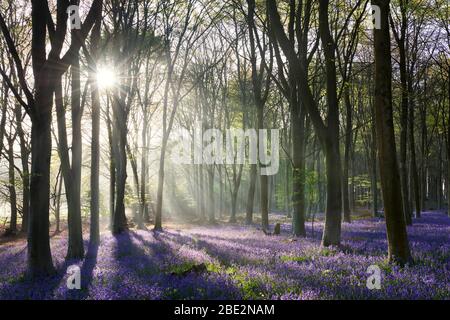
[106, 78]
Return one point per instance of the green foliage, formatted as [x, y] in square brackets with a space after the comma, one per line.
[286, 258]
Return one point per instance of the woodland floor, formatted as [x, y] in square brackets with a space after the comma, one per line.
[240, 262]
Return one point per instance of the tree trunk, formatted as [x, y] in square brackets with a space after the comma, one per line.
[211, 213]
[12, 187]
[159, 195]
[74, 241]
[332, 229]
[46, 71]
[263, 179]
[120, 163]
[58, 189]
[75, 244]
[298, 163]
[234, 196]
[347, 151]
[412, 148]
[220, 192]
[137, 216]
[250, 196]
[287, 200]
[398, 247]
[439, 177]
[94, 232]
[144, 157]
[373, 166]
[424, 160]
[404, 116]
[112, 167]
[24, 157]
[259, 103]
[39, 255]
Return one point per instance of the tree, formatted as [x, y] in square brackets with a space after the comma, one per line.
[261, 89]
[398, 247]
[94, 233]
[46, 71]
[328, 133]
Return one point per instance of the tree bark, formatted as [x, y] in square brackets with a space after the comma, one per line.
[75, 245]
[212, 209]
[332, 230]
[159, 194]
[347, 152]
[298, 164]
[250, 196]
[24, 157]
[94, 228]
[112, 167]
[144, 157]
[12, 187]
[401, 38]
[119, 221]
[39, 256]
[412, 148]
[398, 247]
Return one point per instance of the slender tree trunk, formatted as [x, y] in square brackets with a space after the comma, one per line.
[24, 157]
[373, 166]
[137, 216]
[4, 114]
[68, 173]
[75, 245]
[112, 167]
[250, 196]
[412, 148]
[404, 115]
[220, 192]
[439, 177]
[234, 197]
[298, 172]
[159, 195]
[424, 151]
[263, 179]
[287, 200]
[59, 182]
[120, 163]
[211, 213]
[12, 187]
[398, 247]
[347, 152]
[144, 157]
[94, 232]
[259, 103]
[403, 145]
[201, 192]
